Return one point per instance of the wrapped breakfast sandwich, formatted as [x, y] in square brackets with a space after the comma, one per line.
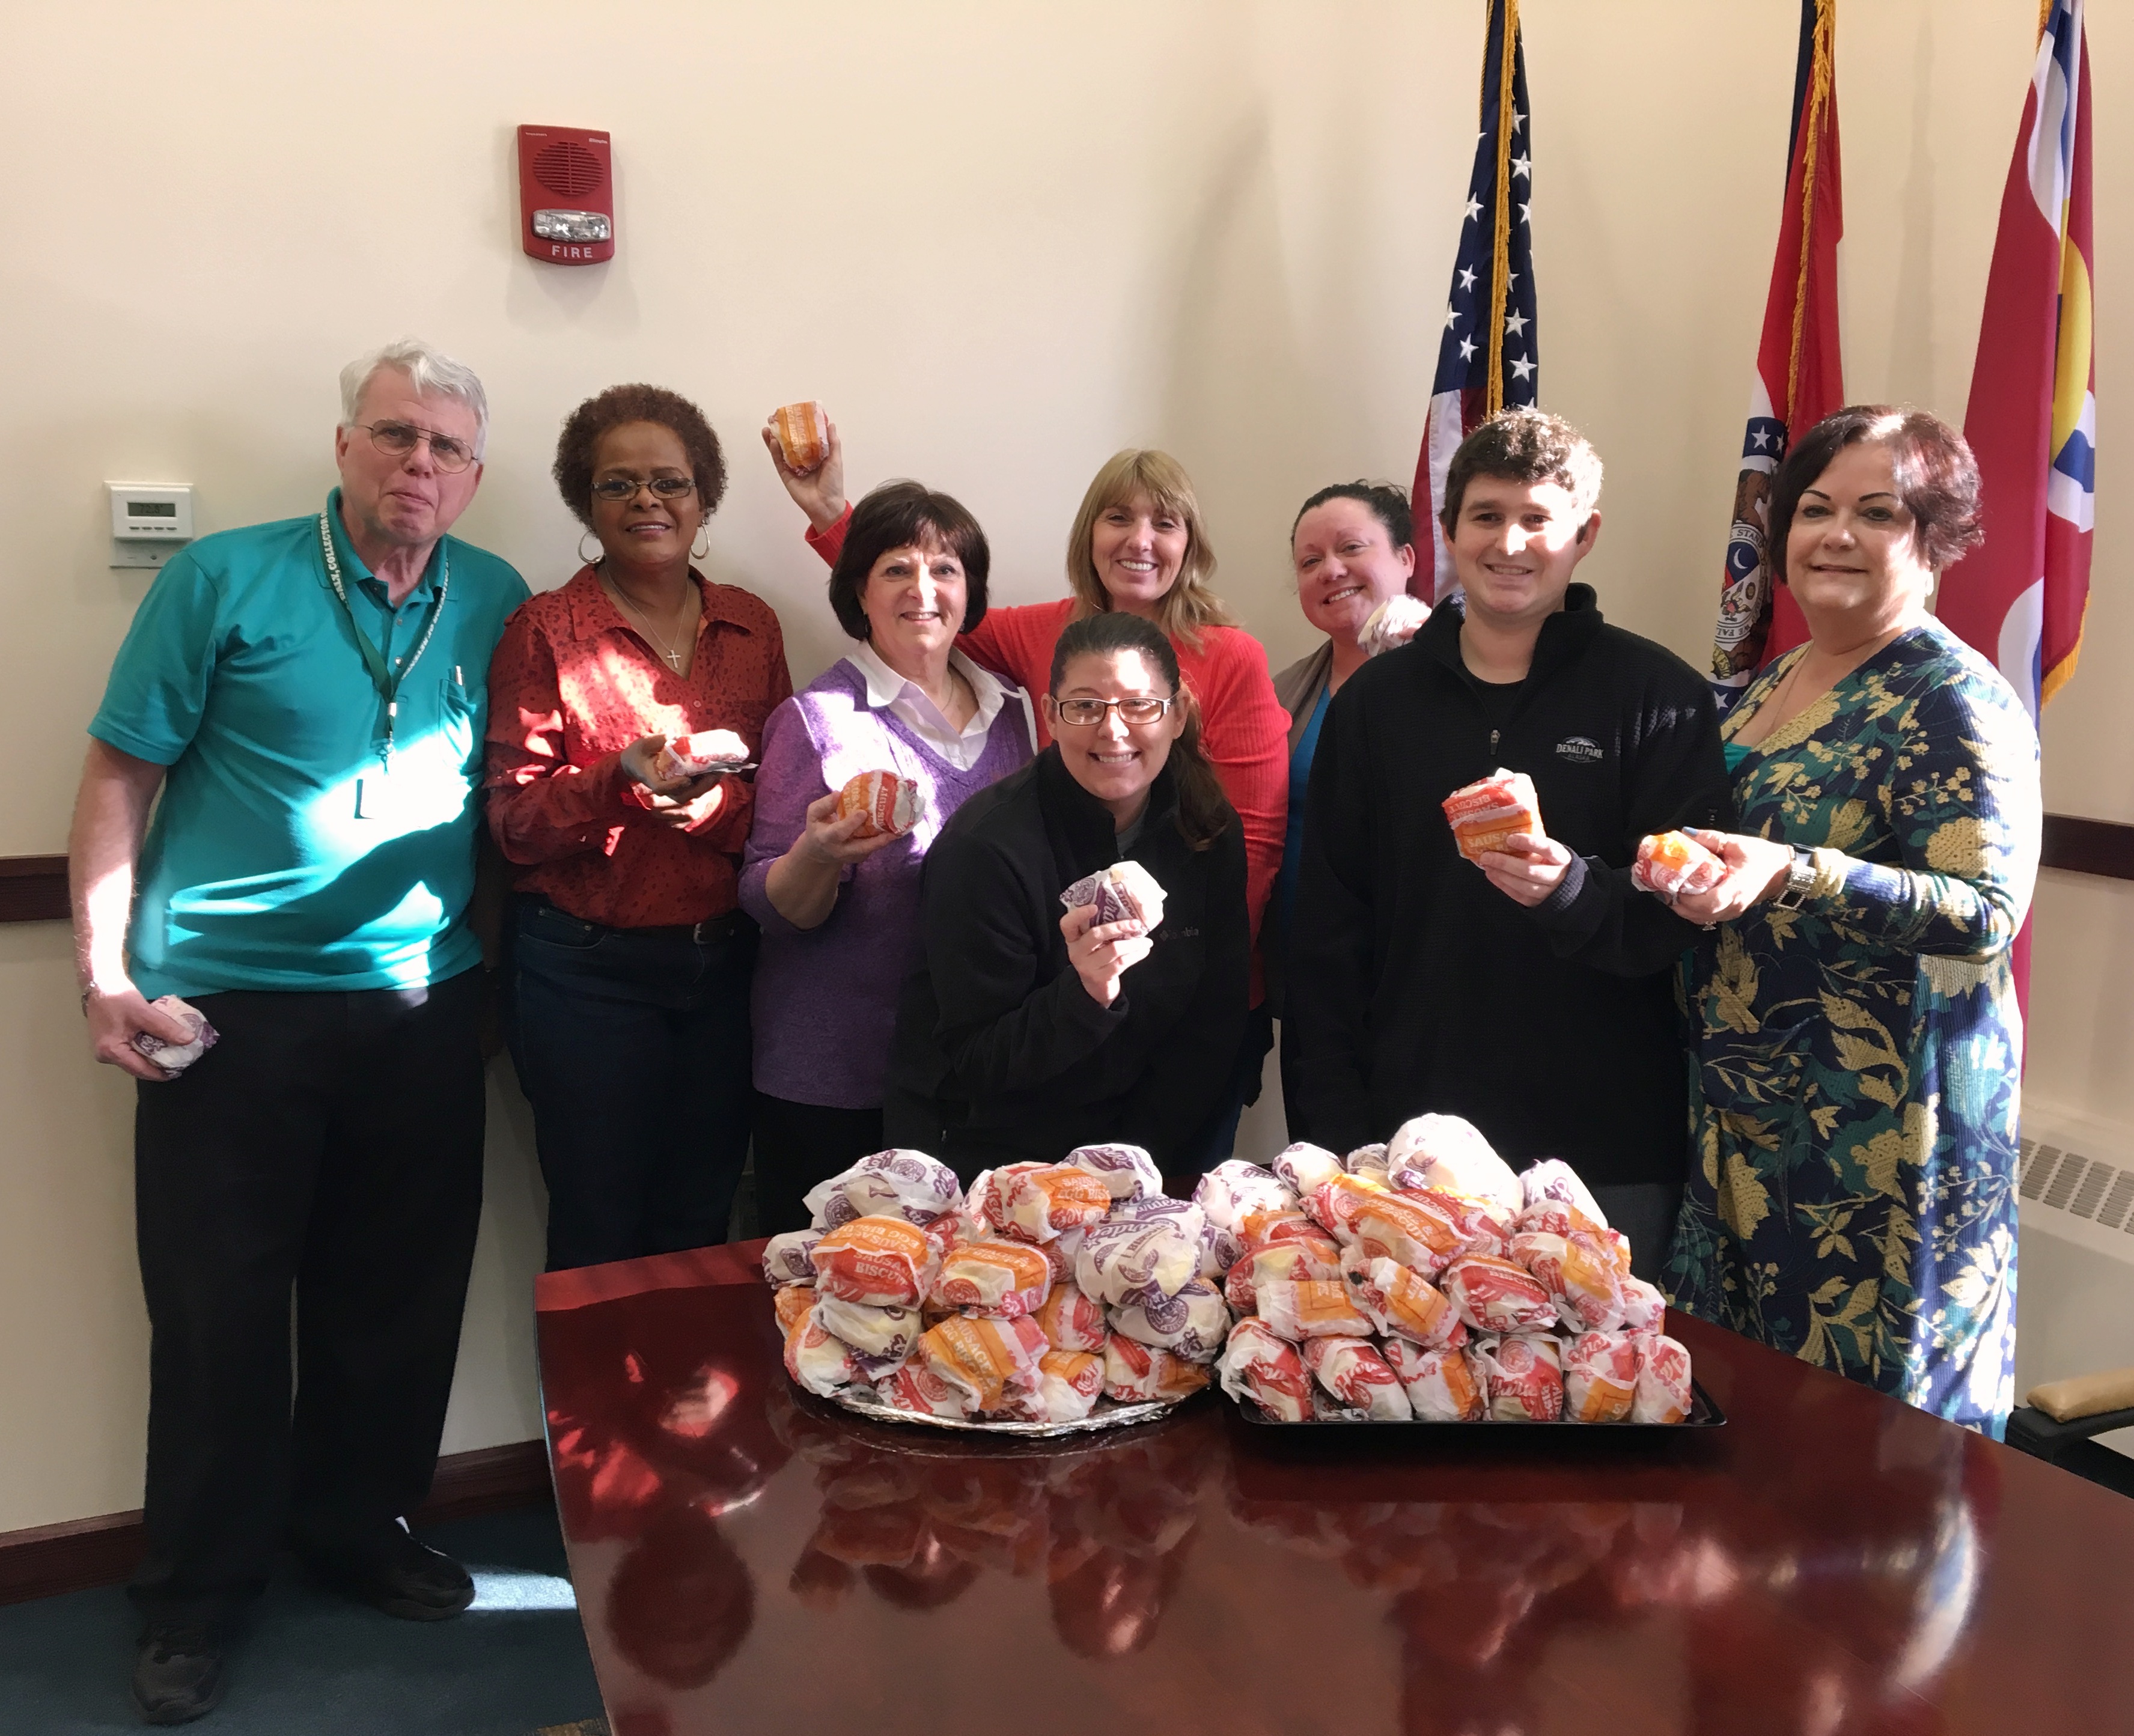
[1494, 1295]
[1035, 1205]
[1401, 1302]
[1364, 1159]
[1128, 1172]
[816, 1360]
[1313, 1309]
[1257, 1365]
[1664, 1393]
[1124, 892]
[785, 1258]
[792, 1302]
[700, 755]
[1230, 1190]
[1071, 1321]
[898, 1183]
[884, 1263]
[981, 1357]
[1359, 1377]
[890, 804]
[175, 1058]
[1671, 863]
[1001, 1279]
[1293, 1259]
[1303, 1167]
[1449, 1154]
[804, 435]
[916, 1388]
[1334, 1204]
[1137, 1373]
[1644, 1308]
[1392, 625]
[1069, 1382]
[1124, 1256]
[1491, 810]
[1600, 1373]
[1442, 1384]
[1523, 1375]
[1191, 1324]
[1552, 1179]
[873, 1333]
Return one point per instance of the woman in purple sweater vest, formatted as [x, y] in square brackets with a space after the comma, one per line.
[840, 914]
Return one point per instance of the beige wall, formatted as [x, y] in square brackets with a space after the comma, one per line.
[1000, 241]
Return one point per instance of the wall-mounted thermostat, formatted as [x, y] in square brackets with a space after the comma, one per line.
[149, 521]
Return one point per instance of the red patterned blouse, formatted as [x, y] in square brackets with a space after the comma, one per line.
[571, 685]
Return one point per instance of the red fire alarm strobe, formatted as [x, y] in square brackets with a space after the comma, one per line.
[566, 194]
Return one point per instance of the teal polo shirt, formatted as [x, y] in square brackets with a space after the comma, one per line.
[284, 854]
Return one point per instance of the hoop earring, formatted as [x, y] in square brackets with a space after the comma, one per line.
[703, 554]
[585, 559]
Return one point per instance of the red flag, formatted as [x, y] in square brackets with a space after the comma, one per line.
[1799, 378]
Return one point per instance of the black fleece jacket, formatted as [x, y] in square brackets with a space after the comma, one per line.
[995, 1030]
[1417, 986]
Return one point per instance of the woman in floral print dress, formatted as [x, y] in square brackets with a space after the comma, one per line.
[1853, 1198]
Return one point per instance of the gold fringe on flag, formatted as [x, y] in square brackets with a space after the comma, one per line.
[1494, 398]
[1818, 105]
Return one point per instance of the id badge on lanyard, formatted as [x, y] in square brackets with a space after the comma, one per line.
[378, 794]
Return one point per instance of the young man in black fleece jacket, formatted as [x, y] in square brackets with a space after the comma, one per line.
[1531, 995]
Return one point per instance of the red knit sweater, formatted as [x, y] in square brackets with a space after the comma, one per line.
[1244, 729]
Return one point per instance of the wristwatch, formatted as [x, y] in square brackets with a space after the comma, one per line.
[1800, 880]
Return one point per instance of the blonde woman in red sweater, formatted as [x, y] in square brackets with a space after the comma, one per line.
[1138, 545]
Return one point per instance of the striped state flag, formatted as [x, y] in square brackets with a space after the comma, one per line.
[1487, 357]
[2032, 422]
[1799, 378]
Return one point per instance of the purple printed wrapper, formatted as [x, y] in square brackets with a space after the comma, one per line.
[1233, 1188]
[1124, 892]
[1121, 1255]
[1191, 1324]
[175, 1058]
[896, 1183]
[1128, 1171]
[785, 1258]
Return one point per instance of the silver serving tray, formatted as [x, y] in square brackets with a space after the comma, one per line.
[1108, 1414]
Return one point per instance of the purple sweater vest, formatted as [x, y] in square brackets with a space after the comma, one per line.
[824, 1002]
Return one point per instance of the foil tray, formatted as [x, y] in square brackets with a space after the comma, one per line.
[1108, 1414]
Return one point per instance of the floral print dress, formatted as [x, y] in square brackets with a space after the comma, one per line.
[1854, 1093]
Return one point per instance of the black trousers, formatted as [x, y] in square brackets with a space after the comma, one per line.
[329, 1145]
[633, 1049]
[798, 1145]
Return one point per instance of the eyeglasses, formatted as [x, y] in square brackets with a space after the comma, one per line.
[1087, 713]
[626, 487]
[397, 439]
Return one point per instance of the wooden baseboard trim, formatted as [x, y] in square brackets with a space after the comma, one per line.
[33, 889]
[47, 1559]
[2103, 847]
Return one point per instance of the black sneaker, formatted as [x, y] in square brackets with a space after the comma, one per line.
[177, 1676]
[388, 1569]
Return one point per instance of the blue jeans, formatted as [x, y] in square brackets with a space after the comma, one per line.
[633, 1049]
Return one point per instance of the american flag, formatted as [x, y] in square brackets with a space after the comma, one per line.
[1487, 357]
[1798, 380]
[2032, 417]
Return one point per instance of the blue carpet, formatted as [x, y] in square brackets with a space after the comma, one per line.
[317, 1664]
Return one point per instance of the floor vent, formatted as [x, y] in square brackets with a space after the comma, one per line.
[2080, 1186]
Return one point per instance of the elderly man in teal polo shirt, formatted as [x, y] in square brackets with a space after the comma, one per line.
[309, 697]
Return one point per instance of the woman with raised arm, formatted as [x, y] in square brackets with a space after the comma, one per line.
[837, 897]
[1852, 1198]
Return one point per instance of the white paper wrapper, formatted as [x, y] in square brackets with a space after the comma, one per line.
[1392, 625]
[1135, 1372]
[1644, 1307]
[1068, 1385]
[1258, 1366]
[1600, 1372]
[1359, 1377]
[895, 1183]
[1311, 1309]
[1442, 1384]
[917, 1390]
[1124, 892]
[1552, 1179]
[818, 1361]
[1303, 1166]
[175, 1058]
[1121, 1256]
[1523, 1373]
[1234, 1187]
[1449, 1154]
[1128, 1171]
[1036, 1205]
[872, 1332]
[1072, 1321]
[693, 756]
[1191, 1324]
[1371, 1158]
[1664, 1393]
[785, 1258]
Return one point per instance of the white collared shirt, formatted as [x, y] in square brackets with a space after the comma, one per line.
[906, 700]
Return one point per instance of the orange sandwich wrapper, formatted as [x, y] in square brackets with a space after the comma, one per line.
[1357, 1376]
[804, 435]
[1442, 1384]
[1258, 1366]
[982, 1214]
[890, 804]
[1036, 1205]
[1600, 1373]
[1523, 1375]
[1494, 1295]
[1492, 809]
[1069, 1382]
[1003, 1279]
[916, 1388]
[1334, 1205]
[816, 1360]
[884, 1263]
[1070, 1321]
[1671, 863]
[1128, 1172]
[1401, 1302]
[1314, 1308]
[1140, 1373]
[982, 1357]
[1292, 1258]
[791, 1303]
[698, 755]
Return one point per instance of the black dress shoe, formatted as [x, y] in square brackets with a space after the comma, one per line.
[177, 1676]
[388, 1569]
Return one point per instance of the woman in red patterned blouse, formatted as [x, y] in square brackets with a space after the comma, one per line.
[631, 958]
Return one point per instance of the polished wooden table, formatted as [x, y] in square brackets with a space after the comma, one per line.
[1831, 1562]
